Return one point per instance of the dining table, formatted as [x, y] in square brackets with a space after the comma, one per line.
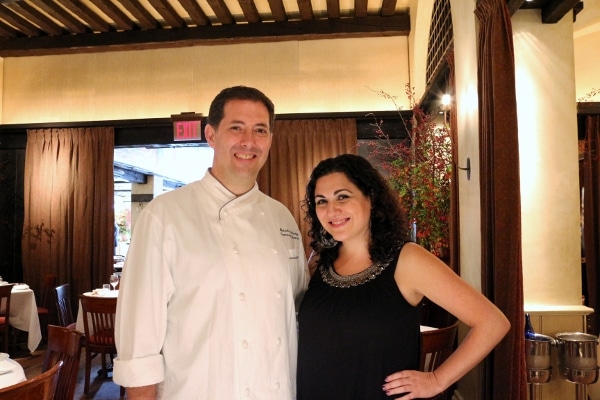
[11, 372]
[24, 315]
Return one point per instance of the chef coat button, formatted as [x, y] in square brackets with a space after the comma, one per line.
[247, 391]
[235, 251]
[242, 297]
[277, 386]
[278, 341]
[278, 294]
[244, 344]
[274, 251]
[262, 213]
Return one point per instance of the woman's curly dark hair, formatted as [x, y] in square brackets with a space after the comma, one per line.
[389, 227]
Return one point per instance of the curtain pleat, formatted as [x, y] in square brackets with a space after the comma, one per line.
[298, 146]
[68, 207]
[591, 214]
[500, 197]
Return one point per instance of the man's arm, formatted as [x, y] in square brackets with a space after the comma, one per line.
[142, 392]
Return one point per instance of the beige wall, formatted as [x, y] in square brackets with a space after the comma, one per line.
[300, 77]
[549, 160]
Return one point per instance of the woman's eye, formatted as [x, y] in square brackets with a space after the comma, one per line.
[320, 201]
[343, 197]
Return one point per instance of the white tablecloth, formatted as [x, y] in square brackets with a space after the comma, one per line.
[79, 324]
[11, 373]
[24, 316]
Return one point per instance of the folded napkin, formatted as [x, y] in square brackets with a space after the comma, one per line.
[21, 286]
[5, 365]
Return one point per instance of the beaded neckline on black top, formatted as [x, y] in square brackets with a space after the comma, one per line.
[332, 278]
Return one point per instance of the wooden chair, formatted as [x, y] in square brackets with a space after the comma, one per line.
[46, 308]
[42, 387]
[64, 345]
[5, 292]
[99, 328]
[436, 347]
[64, 309]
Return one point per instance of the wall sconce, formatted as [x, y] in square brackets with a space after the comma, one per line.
[467, 168]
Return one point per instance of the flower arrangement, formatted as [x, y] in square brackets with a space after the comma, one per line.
[419, 168]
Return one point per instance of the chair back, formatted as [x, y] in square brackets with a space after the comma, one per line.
[64, 345]
[436, 346]
[46, 300]
[99, 322]
[5, 292]
[41, 387]
[63, 305]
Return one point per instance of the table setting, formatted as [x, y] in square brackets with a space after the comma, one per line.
[11, 372]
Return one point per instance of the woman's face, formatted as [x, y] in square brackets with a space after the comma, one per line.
[342, 209]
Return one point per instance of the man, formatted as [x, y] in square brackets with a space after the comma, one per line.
[206, 303]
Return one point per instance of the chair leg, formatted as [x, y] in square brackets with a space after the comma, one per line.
[88, 370]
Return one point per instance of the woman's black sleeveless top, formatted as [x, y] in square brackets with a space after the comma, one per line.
[352, 337]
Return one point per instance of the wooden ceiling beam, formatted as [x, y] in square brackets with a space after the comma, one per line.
[7, 31]
[333, 8]
[166, 10]
[84, 13]
[144, 19]
[221, 11]
[120, 19]
[514, 5]
[250, 11]
[398, 25]
[388, 8]
[360, 8]
[12, 18]
[72, 24]
[555, 10]
[32, 13]
[306, 10]
[195, 12]
[277, 10]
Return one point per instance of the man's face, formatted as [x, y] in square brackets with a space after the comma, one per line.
[241, 143]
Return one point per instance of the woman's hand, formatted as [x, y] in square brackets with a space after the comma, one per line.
[415, 384]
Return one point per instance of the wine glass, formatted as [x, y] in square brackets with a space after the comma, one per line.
[114, 281]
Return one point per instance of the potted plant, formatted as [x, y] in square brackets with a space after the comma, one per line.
[419, 169]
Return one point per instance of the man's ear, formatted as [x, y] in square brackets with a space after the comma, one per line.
[209, 134]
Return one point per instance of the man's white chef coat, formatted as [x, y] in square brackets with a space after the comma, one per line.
[206, 303]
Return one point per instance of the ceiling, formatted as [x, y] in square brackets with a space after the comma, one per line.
[43, 27]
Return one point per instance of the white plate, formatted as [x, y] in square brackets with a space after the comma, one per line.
[109, 293]
[21, 286]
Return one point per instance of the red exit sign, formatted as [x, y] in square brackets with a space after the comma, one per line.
[187, 127]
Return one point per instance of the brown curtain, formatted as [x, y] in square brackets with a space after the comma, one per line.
[502, 272]
[454, 206]
[591, 214]
[68, 207]
[298, 146]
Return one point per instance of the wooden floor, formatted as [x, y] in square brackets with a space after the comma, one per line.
[100, 388]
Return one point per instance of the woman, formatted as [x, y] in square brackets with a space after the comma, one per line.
[359, 320]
